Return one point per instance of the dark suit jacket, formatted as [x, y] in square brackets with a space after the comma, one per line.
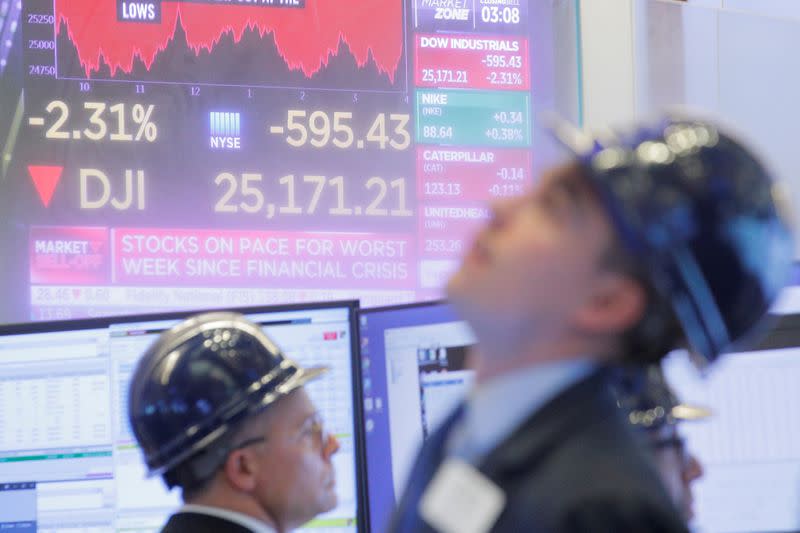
[201, 523]
[574, 466]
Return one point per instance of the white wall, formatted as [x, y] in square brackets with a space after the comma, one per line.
[736, 59]
[771, 8]
[607, 51]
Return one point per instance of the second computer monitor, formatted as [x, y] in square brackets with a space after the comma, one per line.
[414, 374]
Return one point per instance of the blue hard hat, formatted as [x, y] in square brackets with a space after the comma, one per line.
[199, 380]
[702, 216]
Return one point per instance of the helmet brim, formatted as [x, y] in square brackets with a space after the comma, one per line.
[686, 412]
[294, 382]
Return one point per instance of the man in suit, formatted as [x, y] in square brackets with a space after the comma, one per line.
[653, 409]
[220, 412]
[669, 236]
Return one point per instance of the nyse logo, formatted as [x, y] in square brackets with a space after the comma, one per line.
[139, 11]
[225, 131]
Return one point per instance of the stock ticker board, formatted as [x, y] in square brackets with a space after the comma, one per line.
[203, 153]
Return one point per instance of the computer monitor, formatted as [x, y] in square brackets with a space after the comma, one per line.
[68, 460]
[750, 446]
[413, 360]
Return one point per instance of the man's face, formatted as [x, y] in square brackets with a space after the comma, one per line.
[678, 470]
[296, 479]
[536, 262]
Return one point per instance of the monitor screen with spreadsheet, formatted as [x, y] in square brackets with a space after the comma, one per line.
[414, 373]
[750, 446]
[68, 460]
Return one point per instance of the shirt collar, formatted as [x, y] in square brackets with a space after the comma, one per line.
[253, 524]
[495, 408]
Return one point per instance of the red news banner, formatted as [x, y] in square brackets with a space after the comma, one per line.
[468, 61]
[248, 258]
[191, 258]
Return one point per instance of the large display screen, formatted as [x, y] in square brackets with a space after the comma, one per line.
[192, 153]
[68, 459]
[415, 372]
